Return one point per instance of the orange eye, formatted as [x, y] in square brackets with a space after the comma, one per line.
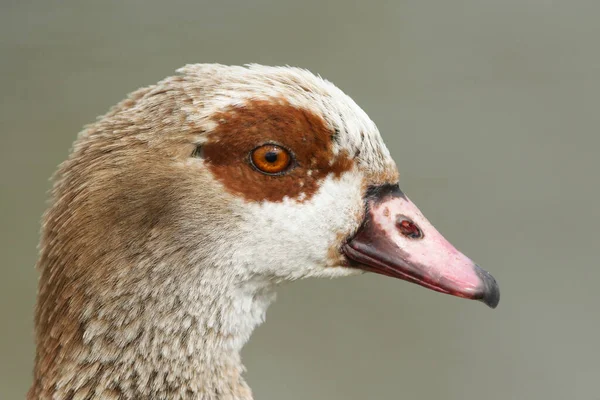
[270, 158]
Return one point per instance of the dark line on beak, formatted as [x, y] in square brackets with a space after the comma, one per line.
[381, 192]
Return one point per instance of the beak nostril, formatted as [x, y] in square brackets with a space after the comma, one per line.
[408, 228]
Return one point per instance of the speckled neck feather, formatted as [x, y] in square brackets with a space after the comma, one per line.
[156, 340]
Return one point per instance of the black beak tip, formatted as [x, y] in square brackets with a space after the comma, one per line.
[490, 289]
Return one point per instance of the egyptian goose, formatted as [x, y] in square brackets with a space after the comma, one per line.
[179, 212]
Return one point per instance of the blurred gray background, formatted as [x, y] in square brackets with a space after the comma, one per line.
[491, 109]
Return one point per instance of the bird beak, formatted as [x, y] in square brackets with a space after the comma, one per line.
[396, 240]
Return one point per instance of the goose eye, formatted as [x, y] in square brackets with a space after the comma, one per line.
[270, 159]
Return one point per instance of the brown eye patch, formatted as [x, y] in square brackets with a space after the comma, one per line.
[242, 129]
[271, 159]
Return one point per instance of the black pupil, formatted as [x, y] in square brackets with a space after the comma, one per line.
[271, 157]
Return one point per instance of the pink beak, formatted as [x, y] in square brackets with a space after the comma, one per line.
[396, 240]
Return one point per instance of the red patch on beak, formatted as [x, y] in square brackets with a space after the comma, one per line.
[408, 228]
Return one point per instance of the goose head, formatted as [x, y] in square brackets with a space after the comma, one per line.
[181, 209]
[307, 187]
